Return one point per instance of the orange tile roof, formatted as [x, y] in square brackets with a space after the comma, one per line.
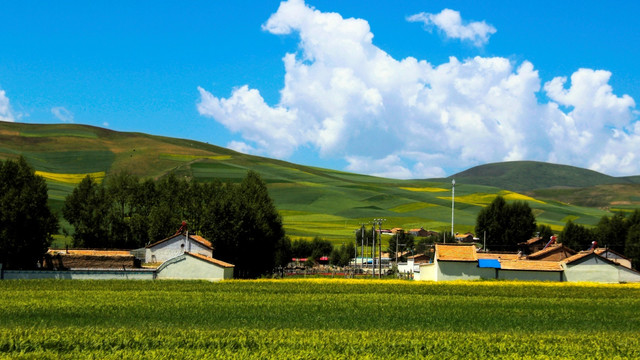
[211, 260]
[465, 252]
[90, 252]
[201, 240]
[551, 248]
[534, 265]
[578, 256]
[483, 255]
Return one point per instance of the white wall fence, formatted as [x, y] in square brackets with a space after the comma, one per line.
[89, 274]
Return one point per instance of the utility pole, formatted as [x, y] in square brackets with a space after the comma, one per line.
[362, 247]
[373, 250]
[379, 222]
[453, 196]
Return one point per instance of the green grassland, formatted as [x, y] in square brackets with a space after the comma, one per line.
[312, 201]
[317, 319]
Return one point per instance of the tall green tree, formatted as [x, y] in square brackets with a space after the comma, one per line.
[544, 232]
[26, 221]
[505, 224]
[248, 228]
[611, 232]
[632, 245]
[405, 242]
[577, 237]
[86, 209]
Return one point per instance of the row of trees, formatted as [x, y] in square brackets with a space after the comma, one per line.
[240, 220]
[618, 232]
[27, 224]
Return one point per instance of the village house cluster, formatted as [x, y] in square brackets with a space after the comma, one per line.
[181, 256]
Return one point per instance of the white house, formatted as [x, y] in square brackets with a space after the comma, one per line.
[590, 266]
[177, 245]
[192, 266]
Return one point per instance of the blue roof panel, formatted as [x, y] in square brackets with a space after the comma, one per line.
[489, 263]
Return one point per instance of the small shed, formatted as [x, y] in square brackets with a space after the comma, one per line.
[177, 245]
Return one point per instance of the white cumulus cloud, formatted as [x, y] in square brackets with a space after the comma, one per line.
[450, 23]
[407, 118]
[6, 114]
[62, 114]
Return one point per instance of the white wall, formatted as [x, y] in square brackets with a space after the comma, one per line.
[190, 267]
[592, 269]
[79, 274]
[459, 270]
[174, 247]
[529, 275]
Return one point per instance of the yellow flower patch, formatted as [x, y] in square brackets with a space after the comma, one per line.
[71, 178]
[424, 189]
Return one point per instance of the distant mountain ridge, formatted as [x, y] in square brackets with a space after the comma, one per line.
[535, 175]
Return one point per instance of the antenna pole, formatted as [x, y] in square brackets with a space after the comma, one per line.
[453, 196]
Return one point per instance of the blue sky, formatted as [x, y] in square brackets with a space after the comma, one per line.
[404, 89]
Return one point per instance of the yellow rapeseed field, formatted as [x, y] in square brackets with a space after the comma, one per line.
[71, 178]
[424, 189]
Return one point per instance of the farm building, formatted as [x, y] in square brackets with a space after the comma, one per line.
[532, 245]
[89, 259]
[181, 257]
[176, 245]
[554, 252]
[468, 238]
[193, 266]
[463, 262]
[614, 256]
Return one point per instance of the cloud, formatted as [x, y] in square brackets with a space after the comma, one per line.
[62, 114]
[450, 23]
[6, 114]
[242, 147]
[407, 118]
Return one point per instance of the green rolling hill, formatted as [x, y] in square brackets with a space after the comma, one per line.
[533, 175]
[312, 201]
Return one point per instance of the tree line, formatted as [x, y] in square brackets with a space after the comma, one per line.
[507, 224]
[240, 220]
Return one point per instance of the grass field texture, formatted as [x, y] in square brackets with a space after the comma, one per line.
[317, 318]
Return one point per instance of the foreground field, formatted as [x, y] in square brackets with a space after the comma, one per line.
[317, 319]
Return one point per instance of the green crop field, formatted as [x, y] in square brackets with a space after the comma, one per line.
[317, 319]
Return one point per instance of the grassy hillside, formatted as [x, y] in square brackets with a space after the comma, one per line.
[532, 175]
[312, 201]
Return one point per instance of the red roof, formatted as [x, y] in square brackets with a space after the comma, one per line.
[446, 252]
[211, 260]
